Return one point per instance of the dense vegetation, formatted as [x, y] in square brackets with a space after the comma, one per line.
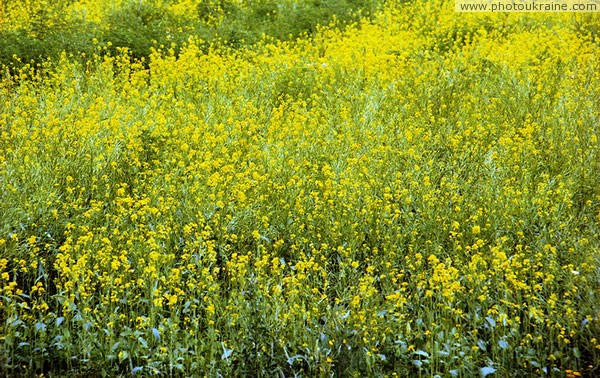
[40, 29]
[410, 193]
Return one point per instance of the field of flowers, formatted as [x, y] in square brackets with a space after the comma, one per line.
[415, 194]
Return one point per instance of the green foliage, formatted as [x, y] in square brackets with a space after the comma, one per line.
[143, 25]
[421, 199]
[18, 47]
[285, 20]
[139, 27]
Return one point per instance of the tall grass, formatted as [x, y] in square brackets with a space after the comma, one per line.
[414, 195]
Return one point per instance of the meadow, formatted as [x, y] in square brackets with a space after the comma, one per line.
[284, 188]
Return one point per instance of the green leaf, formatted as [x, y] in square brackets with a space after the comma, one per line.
[485, 371]
[226, 352]
[137, 369]
[143, 342]
[491, 321]
[482, 345]
[156, 334]
[421, 353]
